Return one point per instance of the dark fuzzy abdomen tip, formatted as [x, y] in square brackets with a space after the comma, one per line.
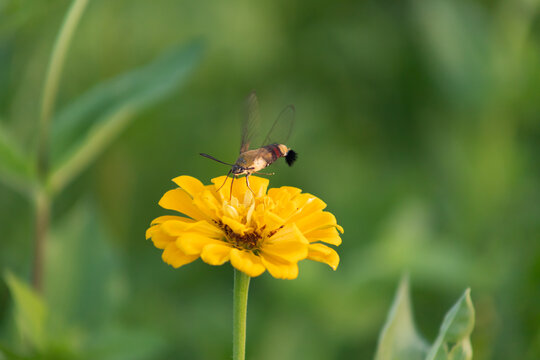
[291, 157]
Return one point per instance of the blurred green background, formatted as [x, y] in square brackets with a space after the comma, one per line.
[416, 122]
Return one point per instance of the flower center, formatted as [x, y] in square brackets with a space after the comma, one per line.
[248, 241]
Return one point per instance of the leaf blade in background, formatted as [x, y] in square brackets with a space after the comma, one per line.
[83, 129]
[80, 258]
[86, 289]
[399, 337]
[30, 311]
[15, 166]
[453, 341]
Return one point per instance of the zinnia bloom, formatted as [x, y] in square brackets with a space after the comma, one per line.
[255, 232]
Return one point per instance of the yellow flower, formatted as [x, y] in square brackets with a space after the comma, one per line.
[266, 231]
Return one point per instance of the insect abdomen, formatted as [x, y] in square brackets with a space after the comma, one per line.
[280, 150]
[275, 151]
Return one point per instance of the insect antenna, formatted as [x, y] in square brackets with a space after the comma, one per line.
[213, 158]
[224, 181]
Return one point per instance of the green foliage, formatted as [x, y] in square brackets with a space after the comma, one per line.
[83, 129]
[399, 339]
[30, 312]
[416, 121]
[80, 258]
[15, 166]
[81, 323]
[453, 342]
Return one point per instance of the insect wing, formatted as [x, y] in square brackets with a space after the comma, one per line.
[282, 128]
[251, 121]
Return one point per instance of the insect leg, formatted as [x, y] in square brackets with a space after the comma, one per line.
[249, 187]
[225, 180]
[232, 182]
[265, 173]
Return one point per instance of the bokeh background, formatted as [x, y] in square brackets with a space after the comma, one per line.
[416, 122]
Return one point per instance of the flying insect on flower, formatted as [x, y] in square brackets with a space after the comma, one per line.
[270, 229]
[252, 161]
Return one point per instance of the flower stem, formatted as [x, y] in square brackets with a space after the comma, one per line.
[241, 286]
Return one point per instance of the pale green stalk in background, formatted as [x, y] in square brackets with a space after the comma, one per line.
[42, 200]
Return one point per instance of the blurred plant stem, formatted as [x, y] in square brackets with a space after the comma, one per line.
[241, 287]
[42, 199]
[54, 71]
[42, 206]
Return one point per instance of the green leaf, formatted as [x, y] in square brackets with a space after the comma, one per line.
[453, 341]
[15, 166]
[30, 311]
[83, 284]
[399, 338]
[83, 129]
[462, 351]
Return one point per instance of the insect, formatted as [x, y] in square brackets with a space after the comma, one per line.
[252, 161]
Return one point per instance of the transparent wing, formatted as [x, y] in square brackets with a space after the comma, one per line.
[282, 128]
[251, 121]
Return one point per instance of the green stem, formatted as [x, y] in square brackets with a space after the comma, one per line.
[42, 208]
[52, 79]
[42, 198]
[241, 286]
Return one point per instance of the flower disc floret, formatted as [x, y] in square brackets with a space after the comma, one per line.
[255, 231]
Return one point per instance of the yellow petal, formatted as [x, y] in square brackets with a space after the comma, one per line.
[151, 231]
[279, 195]
[284, 192]
[291, 190]
[178, 228]
[269, 221]
[216, 254]
[307, 205]
[257, 184]
[279, 268]
[221, 184]
[317, 220]
[164, 218]
[179, 200]
[174, 256]
[247, 262]
[324, 254]
[288, 244]
[193, 243]
[230, 211]
[159, 237]
[207, 202]
[175, 227]
[286, 210]
[235, 226]
[328, 235]
[191, 185]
